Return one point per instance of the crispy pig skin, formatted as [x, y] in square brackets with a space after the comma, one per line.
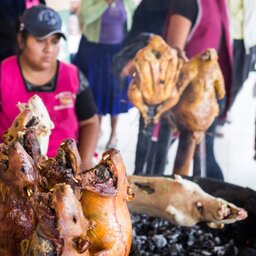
[113, 231]
[181, 202]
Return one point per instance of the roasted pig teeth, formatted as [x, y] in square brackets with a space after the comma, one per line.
[29, 192]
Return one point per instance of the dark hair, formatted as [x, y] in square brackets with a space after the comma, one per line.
[24, 34]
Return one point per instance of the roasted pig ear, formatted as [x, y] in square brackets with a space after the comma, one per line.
[104, 195]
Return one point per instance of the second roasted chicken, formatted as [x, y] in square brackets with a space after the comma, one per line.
[198, 104]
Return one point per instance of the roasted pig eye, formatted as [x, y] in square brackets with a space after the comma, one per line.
[200, 207]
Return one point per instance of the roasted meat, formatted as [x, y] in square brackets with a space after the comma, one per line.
[62, 227]
[104, 195]
[66, 167]
[18, 182]
[198, 106]
[181, 202]
[33, 115]
[154, 83]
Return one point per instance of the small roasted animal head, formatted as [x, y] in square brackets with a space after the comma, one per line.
[108, 177]
[22, 122]
[203, 207]
[72, 224]
[62, 227]
[21, 173]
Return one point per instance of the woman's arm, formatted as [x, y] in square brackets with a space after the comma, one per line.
[88, 138]
[178, 31]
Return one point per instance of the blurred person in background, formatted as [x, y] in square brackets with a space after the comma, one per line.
[193, 27]
[10, 12]
[104, 24]
[62, 87]
[243, 20]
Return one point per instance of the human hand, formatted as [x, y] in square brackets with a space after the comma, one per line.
[128, 69]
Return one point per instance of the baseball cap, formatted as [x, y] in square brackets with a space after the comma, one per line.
[41, 21]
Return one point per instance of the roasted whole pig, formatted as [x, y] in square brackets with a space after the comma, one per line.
[181, 202]
[62, 227]
[154, 83]
[104, 196]
[197, 106]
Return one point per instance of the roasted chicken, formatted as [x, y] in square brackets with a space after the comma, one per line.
[198, 106]
[154, 82]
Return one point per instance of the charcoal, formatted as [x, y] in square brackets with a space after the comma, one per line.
[157, 237]
[159, 240]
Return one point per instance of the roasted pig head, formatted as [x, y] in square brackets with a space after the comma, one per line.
[62, 227]
[154, 83]
[104, 195]
[21, 174]
[181, 202]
